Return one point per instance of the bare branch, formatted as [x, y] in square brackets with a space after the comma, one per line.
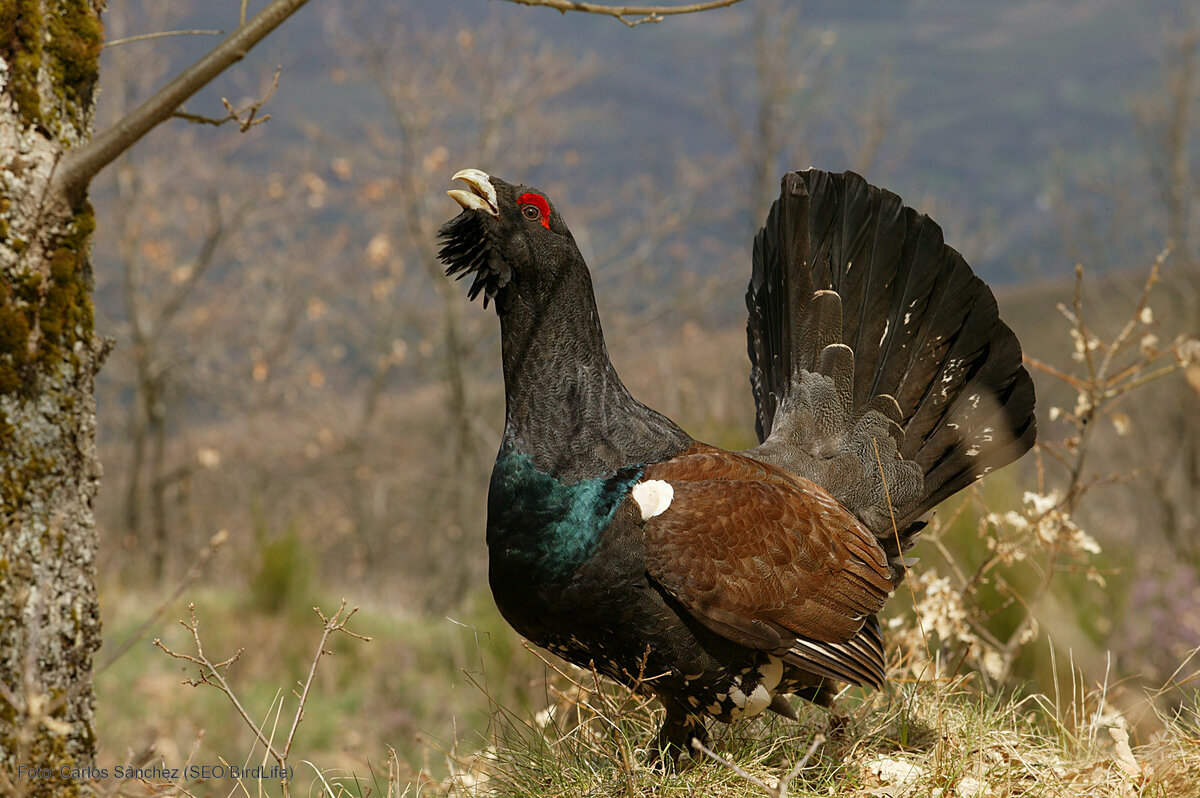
[195, 270]
[214, 674]
[335, 623]
[79, 166]
[623, 13]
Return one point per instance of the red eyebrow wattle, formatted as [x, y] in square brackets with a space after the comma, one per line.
[539, 202]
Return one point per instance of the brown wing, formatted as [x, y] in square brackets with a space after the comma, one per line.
[770, 561]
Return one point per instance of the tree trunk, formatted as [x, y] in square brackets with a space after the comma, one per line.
[49, 355]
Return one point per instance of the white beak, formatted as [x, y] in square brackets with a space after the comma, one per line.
[481, 197]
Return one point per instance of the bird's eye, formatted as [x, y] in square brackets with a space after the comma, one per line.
[535, 208]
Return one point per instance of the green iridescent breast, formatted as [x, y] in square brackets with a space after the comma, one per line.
[544, 526]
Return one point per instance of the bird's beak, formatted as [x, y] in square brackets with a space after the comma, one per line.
[481, 197]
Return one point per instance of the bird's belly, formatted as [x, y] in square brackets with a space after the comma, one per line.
[618, 623]
[583, 616]
[726, 692]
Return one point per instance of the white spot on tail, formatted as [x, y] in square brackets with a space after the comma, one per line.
[653, 497]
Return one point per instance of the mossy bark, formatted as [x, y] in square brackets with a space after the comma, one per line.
[49, 355]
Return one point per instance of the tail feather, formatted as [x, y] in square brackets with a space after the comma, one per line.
[842, 264]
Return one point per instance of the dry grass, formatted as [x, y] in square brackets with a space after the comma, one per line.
[926, 738]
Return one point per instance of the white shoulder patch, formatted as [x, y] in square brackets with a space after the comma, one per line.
[653, 497]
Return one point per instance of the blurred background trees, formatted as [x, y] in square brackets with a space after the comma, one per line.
[292, 367]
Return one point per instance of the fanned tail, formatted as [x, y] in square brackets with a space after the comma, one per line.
[880, 367]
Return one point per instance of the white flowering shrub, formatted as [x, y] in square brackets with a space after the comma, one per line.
[979, 608]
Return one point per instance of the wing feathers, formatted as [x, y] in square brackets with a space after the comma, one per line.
[759, 556]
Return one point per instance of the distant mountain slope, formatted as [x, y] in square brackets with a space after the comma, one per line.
[994, 99]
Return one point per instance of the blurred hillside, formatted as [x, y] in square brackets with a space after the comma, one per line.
[292, 368]
[989, 108]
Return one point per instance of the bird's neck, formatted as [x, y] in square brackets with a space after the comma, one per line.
[566, 408]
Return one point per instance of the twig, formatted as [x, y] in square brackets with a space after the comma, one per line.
[1033, 362]
[334, 623]
[646, 13]
[244, 117]
[141, 37]
[213, 674]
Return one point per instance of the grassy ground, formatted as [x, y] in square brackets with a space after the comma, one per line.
[459, 707]
[927, 739]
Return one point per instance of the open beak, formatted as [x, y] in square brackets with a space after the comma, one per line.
[481, 197]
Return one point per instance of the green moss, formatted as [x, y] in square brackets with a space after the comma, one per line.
[59, 308]
[44, 313]
[72, 52]
[63, 38]
[14, 333]
[26, 287]
[21, 24]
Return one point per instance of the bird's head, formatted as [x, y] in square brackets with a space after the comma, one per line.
[506, 235]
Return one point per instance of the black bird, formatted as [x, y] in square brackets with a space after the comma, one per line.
[720, 582]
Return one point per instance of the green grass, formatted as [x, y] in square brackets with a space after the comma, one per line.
[468, 711]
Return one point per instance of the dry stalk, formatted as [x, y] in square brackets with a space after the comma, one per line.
[778, 791]
[141, 37]
[215, 675]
